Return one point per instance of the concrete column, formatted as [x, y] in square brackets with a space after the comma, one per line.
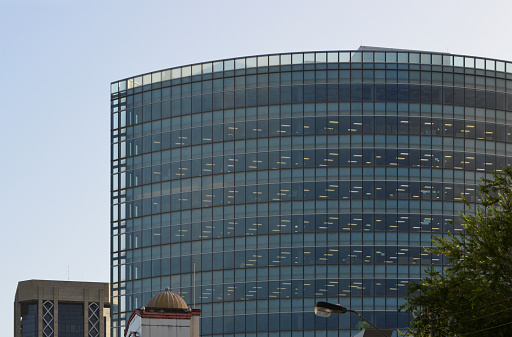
[86, 312]
[55, 311]
[194, 326]
[100, 313]
[40, 312]
[17, 315]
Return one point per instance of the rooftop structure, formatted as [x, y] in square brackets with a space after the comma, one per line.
[44, 308]
[166, 315]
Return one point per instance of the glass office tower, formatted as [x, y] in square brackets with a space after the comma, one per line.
[287, 179]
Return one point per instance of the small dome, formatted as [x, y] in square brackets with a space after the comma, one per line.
[167, 300]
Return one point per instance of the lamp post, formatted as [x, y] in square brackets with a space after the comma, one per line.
[324, 309]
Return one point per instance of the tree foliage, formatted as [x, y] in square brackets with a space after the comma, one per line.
[472, 297]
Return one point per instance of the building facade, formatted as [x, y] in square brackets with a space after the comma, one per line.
[45, 308]
[290, 178]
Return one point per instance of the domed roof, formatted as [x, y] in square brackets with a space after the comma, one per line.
[167, 300]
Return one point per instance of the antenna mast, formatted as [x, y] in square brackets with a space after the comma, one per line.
[194, 284]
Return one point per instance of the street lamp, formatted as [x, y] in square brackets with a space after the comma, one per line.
[324, 309]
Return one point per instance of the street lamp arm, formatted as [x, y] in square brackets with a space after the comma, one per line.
[325, 309]
[367, 321]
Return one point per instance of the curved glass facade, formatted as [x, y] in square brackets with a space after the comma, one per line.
[292, 178]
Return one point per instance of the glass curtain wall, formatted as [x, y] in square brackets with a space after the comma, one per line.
[287, 179]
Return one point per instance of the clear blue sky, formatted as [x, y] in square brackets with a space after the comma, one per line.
[58, 57]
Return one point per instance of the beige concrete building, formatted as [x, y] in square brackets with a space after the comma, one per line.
[45, 308]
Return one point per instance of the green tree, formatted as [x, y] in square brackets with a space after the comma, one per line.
[472, 297]
[363, 325]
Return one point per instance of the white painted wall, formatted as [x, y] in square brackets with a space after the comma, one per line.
[157, 327]
[135, 326]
